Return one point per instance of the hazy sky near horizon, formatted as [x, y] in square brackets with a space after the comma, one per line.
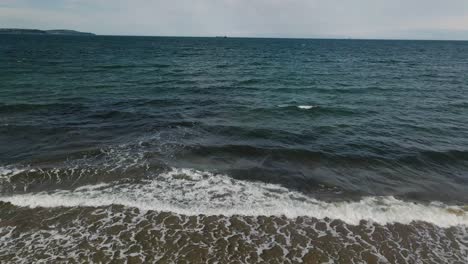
[415, 19]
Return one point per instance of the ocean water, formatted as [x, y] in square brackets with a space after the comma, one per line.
[152, 149]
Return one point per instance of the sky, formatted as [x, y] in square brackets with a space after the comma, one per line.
[388, 19]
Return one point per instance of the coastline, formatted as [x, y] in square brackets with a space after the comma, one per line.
[127, 234]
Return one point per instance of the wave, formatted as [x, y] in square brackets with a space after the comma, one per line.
[296, 152]
[126, 66]
[326, 110]
[192, 192]
[249, 82]
[303, 107]
[8, 171]
[85, 166]
[30, 107]
[306, 107]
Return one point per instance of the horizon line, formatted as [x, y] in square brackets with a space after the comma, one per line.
[251, 37]
[260, 37]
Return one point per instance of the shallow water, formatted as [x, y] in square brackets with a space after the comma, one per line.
[359, 148]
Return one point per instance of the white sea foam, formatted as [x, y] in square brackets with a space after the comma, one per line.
[303, 107]
[306, 107]
[193, 192]
[9, 171]
[6, 172]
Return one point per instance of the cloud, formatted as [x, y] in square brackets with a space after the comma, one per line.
[277, 18]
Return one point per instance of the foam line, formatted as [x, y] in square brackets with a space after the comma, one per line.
[192, 192]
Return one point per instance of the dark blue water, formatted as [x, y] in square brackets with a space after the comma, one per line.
[364, 117]
[161, 150]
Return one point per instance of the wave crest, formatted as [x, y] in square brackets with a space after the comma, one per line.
[192, 192]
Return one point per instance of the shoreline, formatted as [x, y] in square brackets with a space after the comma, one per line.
[128, 234]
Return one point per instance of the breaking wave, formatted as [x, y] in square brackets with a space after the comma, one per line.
[192, 192]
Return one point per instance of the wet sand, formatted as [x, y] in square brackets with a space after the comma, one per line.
[117, 234]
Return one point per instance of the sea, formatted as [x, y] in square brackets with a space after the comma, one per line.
[118, 149]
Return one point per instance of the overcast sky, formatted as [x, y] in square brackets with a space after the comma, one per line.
[407, 19]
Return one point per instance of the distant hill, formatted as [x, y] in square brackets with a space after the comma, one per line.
[20, 31]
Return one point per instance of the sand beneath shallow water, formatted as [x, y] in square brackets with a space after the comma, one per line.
[118, 234]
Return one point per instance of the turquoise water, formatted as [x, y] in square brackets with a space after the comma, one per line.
[243, 126]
